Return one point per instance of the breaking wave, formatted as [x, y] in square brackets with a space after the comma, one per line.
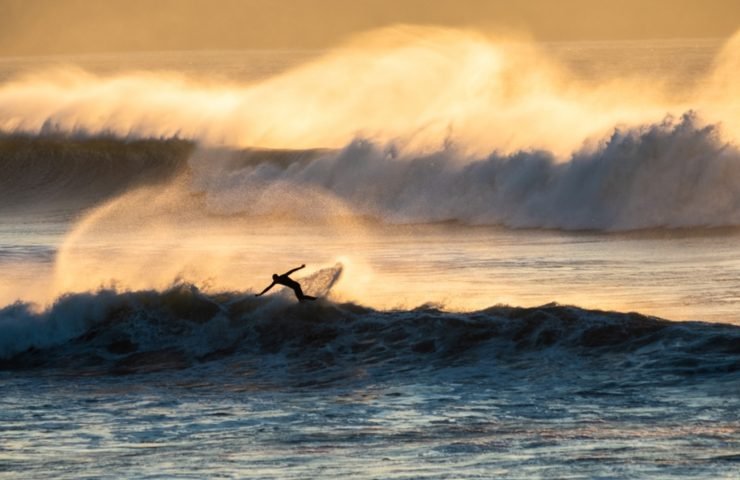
[142, 331]
[675, 174]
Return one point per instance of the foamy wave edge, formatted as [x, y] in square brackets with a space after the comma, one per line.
[129, 332]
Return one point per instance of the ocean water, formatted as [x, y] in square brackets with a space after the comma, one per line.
[526, 256]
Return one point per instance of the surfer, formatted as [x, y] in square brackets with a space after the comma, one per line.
[286, 281]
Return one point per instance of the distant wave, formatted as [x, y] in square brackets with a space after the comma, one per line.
[128, 332]
[675, 174]
[391, 140]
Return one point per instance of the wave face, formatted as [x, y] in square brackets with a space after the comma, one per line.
[118, 333]
[64, 173]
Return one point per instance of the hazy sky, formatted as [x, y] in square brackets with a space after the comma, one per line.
[75, 26]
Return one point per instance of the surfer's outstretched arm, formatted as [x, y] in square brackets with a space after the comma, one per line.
[265, 290]
[294, 270]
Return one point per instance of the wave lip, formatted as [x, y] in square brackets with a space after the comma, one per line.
[134, 332]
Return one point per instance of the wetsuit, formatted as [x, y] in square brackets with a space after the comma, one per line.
[286, 281]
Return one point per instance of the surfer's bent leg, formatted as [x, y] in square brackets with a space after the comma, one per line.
[299, 294]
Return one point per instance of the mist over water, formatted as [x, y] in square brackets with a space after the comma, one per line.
[415, 87]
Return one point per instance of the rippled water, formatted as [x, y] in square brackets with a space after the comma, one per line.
[555, 422]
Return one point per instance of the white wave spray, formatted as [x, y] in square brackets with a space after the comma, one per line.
[677, 173]
[418, 86]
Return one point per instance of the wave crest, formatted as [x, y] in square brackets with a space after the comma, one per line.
[677, 173]
[148, 330]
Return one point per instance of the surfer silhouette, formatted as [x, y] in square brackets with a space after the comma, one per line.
[286, 281]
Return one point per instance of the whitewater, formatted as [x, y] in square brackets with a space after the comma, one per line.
[526, 256]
